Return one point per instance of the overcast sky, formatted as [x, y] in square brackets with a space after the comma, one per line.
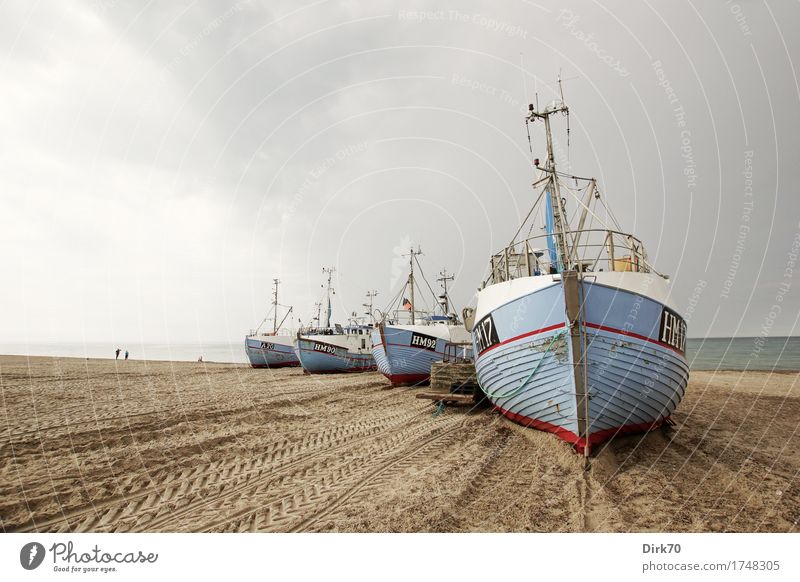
[161, 162]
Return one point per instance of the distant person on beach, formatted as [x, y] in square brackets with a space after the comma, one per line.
[117, 356]
[126, 354]
[200, 359]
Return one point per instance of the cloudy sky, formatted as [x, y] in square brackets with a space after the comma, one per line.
[161, 162]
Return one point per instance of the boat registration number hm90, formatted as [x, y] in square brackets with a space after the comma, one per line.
[673, 330]
[324, 348]
[485, 334]
[426, 342]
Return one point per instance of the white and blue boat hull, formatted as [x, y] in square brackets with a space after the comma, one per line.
[636, 371]
[405, 353]
[271, 351]
[379, 352]
[318, 356]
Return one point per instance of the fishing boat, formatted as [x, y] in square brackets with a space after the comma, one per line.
[407, 341]
[272, 349]
[333, 348]
[574, 331]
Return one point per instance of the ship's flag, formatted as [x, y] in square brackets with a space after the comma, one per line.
[407, 304]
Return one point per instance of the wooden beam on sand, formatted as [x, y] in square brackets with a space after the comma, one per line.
[447, 397]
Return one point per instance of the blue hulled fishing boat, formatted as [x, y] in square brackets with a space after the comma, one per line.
[337, 350]
[331, 348]
[407, 340]
[272, 349]
[574, 331]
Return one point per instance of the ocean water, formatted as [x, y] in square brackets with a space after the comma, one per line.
[742, 353]
[176, 352]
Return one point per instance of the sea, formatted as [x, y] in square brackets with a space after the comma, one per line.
[225, 352]
[739, 353]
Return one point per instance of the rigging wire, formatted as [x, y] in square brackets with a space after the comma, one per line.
[576, 192]
[530, 143]
[433, 293]
[610, 213]
[396, 299]
[589, 210]
[568, 175]
[569, 164]
[524, 222]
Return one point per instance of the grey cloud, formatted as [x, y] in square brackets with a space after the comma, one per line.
[163, 162]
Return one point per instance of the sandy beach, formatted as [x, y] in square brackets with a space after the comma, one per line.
[99, 445]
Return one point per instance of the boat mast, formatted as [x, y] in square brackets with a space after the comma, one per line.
[444, 278]
[560, 227]
[329, 271]
[572, 279]
[318, 305]
[275, 307]
[412, 253]
[370, 296]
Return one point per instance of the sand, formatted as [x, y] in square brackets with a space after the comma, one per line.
[99, 445]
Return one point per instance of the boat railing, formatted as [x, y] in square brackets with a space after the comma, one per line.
[403, 317]
[457, 352]
[314, 330]
[281, 331]
[590, 250]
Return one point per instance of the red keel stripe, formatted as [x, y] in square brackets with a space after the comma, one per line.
[571, 437]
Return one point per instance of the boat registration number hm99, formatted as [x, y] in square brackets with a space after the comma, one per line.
[485, 334]
[673, 330]
[324, 348]
[426, 342]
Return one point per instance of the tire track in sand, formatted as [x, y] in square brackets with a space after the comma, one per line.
[292, 495]
[188, 404]
[169, 487]
[214, 507]
[427, 445]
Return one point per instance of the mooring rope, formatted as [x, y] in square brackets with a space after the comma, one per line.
[514, 391]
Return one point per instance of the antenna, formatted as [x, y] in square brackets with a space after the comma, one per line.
[370, 296]
[561, 91]
[329, 271]
[275, 306]
[525, 94]
[444, 278]
[530, 143]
